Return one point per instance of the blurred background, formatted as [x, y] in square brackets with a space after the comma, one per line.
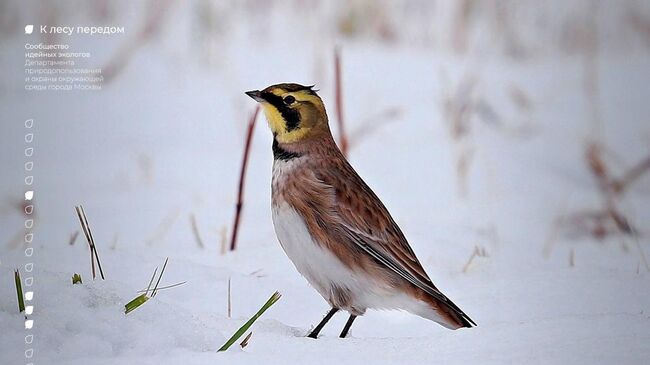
[509, 139]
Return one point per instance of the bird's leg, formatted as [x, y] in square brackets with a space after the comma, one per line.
[328, 316]
[348, 324]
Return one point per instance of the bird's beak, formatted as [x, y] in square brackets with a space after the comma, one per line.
[256, 95]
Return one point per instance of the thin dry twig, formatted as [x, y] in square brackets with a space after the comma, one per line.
[257, 273]
[224, 240]
[244, 342]
[92, 256]
[620, 185]
[163, 287]
[155, 288]
[478, 252]
[151, 281]
[611, 189]
[593, 155]
[73, 238]
[635, 238]
[83, 220]
[463, 163]
[644, 259]
[242, 177]
[617, 217]
[229, 300]
[338, 89]
[609, 219]
[195, 231]
[19, 291]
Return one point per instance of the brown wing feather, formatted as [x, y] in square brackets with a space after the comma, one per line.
[364, 220]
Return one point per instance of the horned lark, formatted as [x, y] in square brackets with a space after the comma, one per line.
[336, 231]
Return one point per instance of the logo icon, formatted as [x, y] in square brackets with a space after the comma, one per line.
[29, 29]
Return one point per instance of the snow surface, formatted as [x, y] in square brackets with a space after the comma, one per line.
[163, 142]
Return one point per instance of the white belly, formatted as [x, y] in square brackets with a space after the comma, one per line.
[319, 266]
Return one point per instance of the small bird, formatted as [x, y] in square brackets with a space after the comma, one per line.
[335, 230]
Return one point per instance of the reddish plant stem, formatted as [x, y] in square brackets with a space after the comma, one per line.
[242, 177]
[339, 102]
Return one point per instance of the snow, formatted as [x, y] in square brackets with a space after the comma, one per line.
[162, 142]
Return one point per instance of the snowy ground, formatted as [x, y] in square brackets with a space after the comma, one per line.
[156, 146]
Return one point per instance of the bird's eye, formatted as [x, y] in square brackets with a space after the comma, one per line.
[289, 100]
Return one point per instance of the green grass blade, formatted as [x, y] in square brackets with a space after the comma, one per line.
[272, 300]
[135, 303]
[19, 291]
[76, 279]
[142, 298]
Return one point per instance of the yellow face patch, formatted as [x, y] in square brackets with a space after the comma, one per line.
[274, 118]
[277, 122]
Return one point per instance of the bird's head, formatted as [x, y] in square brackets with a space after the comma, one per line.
[295, 112]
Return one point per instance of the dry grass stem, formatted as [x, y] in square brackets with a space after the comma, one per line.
[229, 300]
[73, 238]
[609, 219]
[195, 231]
[19, 291]
[611, 190]
[164, 287]
[478, 252]
[244, 342]
[644, 259]
[224, 240]
[94, 256]
[338, 101]
[629, 177]
[155, 288]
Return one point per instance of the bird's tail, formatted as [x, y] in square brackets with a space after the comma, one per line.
[445, 312]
